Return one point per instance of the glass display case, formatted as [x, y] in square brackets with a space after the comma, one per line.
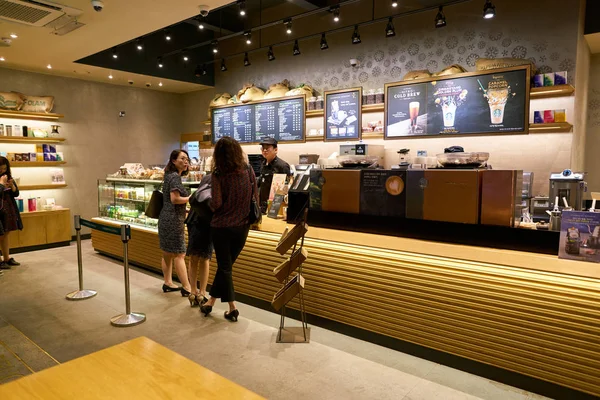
[126, 200]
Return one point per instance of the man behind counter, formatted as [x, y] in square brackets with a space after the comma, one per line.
[271, 164]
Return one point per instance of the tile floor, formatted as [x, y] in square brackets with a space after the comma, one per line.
[34, 312]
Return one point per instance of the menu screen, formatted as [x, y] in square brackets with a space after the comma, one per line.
[343, 115]
[495, 102]
[283, 120]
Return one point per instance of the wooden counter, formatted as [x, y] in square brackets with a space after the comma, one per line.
[139, 368]
[41, 228]
[528, 313]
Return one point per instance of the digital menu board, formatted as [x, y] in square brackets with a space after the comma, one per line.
[282, 119]
[342, 114]
[471, 103]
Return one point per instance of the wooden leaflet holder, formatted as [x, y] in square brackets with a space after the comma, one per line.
[292, 285]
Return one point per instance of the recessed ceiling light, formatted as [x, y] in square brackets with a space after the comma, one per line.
[159, 83]
[13, 35]
[49, 66]
[394, 3]
[110, 76]
[185, 58]
[2, 59]
[139, 45]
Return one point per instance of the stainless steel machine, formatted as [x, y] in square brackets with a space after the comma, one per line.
[568, 185]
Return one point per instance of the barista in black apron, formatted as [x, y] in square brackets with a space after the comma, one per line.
[271, 164]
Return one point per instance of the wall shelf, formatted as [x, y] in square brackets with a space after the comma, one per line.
[557, 127]
[30, 115]
[19, 139]
[36, 163]
[367, 108]
[42, 187]
[551, 91]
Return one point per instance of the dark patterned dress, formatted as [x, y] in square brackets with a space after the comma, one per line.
[9, 215]
[172, 216]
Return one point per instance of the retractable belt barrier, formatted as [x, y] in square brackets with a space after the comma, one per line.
[121, 320]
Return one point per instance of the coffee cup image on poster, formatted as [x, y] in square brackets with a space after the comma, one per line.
[343, 115]
[487, 103]
[406, 113]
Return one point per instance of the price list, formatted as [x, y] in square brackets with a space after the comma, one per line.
[266, 120]
[243, 123]
[291, 120]
[222, 123]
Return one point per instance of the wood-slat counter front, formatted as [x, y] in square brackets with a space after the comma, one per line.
[528, 313]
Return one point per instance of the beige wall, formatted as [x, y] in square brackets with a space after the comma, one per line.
[98, 141]
[578, 155]
[592, 158]
[195, 110]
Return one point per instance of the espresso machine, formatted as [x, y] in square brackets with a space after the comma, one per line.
[568, 185]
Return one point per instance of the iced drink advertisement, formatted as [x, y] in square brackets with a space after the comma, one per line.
[471, 103]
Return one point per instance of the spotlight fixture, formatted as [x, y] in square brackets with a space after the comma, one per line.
[160, 62]
[489, 10]
[270, 54]
[324, 45]
[185, 56]
[167, 35]
[394, 3]
[204, 69]
[356, 36]
[49, 66]
[296, 48]
[248, 36]
[246, 60]
[223, 66]
[200, 24]
[13, 35]
[440, 18]
[288, 26]
[114, 53]
[242, 7]
[390, 30]
[336, 13]
[139, 45]
[215, 46]
[159, 83]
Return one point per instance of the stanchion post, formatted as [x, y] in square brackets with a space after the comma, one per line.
[82, 293]
[129, 318]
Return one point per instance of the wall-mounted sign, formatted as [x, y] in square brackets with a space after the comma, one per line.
[342, 114]
[282, 119]
[470, 103]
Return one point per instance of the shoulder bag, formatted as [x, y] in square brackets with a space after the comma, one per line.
[155, 204]
[200, 199]
[254, 216]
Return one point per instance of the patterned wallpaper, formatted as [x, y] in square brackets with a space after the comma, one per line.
[417, 46]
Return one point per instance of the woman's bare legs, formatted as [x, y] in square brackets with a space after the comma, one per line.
[5, 247]
[203, 264]
[181, 270]
[167, 268]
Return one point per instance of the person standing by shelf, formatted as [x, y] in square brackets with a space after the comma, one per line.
[271, 164]
[10, 218]
[171, 229]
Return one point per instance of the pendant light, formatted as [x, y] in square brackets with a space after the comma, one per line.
[336, 13]
[270, 54]
[324, 45]
[159, 62]
[246, 60]
[242, 7]
[296, 48]
[248, 36]
[390, 31]
[356, 36]
[440, 18]
[223, 66]
[489, 10]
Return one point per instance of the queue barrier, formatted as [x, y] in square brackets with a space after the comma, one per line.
[121, 320]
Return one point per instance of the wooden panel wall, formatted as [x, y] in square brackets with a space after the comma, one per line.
[542, 324]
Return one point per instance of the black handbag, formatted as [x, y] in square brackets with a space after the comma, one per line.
[155, 204]
[200, 200]
[254, 216]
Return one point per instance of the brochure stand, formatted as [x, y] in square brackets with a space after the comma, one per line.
[292, 285]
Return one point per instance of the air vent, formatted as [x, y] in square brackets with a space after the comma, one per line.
[33, 13]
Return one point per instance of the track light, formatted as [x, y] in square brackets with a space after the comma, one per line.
[2, 59]
[296, 48]
[223, 66]
[489, 10]
[167, 35]
[336, 13]
[390, 30]
[115, 55]
[242, 6]
[270, 54]
[185, 57]
[14, 35]
[215, 46]
[356, 36]
[324, 45]
[200, 25]
[246, 60]
[248, 36]
[288, 26]
[394, 3]
[49, 66]
[160, 62]
[139, 45]
[440, 18]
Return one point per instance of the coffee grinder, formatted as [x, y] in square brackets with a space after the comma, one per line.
[568, 185]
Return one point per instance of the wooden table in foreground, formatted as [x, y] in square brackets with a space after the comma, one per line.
[139, 368]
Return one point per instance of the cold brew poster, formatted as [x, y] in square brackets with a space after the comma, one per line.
[407, 110]
[343, 114]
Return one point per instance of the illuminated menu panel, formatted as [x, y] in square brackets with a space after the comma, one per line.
[222, 122]
[243, 123]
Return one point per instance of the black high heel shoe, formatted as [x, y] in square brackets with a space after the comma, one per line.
[203, 301]
[205, 310]
[185, 293]
[193, 298]
[170, 289]
[233, 315]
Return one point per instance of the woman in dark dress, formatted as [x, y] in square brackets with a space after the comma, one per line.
[10, 219]
[232, 186]
[171, 220]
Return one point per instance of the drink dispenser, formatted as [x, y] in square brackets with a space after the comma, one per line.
[569, 185]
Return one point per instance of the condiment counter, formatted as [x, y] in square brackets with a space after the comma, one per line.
[528, 313]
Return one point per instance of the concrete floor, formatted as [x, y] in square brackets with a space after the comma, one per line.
[34, 312]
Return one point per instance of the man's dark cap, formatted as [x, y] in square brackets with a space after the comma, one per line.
[269, 140]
